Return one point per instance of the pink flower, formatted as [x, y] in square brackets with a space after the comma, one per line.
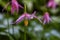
[52, 4]
[22, 17]
[26, 16]
[14, 6]
[46, 18]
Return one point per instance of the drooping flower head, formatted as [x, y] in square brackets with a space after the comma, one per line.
[46, 18]
[14, 6]
[52, 4]
[26, 16]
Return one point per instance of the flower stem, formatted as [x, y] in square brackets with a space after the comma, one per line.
[25, 8]
[25, 22]
[25, 33]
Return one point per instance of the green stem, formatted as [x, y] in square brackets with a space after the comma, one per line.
[25, 26]
[25, 36]
[25, 8]
[25, 33]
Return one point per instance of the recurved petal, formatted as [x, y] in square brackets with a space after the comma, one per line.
[34, 13]
[54, 5]
[50, 4]
[46, 18]
[12, 10]
[17, 9]
[20, 19]
[28, 16]
[20, 6]
[44, 21]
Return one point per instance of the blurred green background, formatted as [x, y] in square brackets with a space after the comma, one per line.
[35, 30]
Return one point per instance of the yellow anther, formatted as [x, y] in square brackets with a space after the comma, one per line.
[26, 22]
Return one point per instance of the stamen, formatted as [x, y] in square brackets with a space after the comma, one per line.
[26, 22]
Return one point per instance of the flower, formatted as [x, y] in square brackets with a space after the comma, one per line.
[25, 16]
[46, 18]
[14, 6]
[52, 4]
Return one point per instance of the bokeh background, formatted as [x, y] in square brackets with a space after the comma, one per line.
[35, 30]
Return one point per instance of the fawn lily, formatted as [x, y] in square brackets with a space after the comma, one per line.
[26, 16]
[46, 18]
[14, 6]
[52, 4]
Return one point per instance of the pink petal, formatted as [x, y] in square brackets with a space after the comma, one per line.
[17, 9]
[44, 21]
[46, 18]
[15, 5]
[54, 5]
[50, 4]
[33, 15]
[27, 16]
[20, 19]
[20, 6]
[12, 10]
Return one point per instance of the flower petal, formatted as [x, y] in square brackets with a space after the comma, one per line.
[16, 6]
[46, 18]
[20, 6]
[33, 15]
[50, 3]
[27, 15]
[20, 19]
[44, 21]
[54, 5]
[12, 10]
